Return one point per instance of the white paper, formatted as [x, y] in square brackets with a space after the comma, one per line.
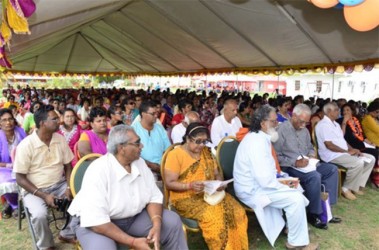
[368, 145]
[312, 163]
[210, 187]
[365, 159]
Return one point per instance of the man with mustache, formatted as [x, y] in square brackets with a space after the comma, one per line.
[256, 185]
[41, 159]
[294, 148]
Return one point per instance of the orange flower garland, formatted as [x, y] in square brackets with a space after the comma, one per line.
[356, 127]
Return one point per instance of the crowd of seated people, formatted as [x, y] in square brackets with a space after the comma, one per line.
[85, 118]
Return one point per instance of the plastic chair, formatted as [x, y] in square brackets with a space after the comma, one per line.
[188, 224]
[341, 169]
[76, 183]
[79, 170]
[225, 155]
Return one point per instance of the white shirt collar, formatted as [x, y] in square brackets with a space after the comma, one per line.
[121, 171]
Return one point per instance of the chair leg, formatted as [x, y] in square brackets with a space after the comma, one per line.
[19, 204]
[339, 182]
[31, 229]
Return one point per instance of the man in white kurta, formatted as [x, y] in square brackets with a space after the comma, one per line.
[256, 184]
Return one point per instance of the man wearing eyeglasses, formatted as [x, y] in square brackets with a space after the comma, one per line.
[153, 136]
[41, 159]
[119, 203]
[294, 149]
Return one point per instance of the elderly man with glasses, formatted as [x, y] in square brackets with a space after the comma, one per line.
[119, 203]
[257, 186]
[152, 135]
[294, 149]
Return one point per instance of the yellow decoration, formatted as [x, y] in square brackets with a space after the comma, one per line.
[317, 70]
[340, 69]
[16, 19]
[358, 68]
[5, 32]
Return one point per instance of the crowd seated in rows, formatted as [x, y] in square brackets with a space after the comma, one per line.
[158, 120]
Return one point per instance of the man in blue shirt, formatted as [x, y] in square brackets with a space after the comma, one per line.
[153, 136]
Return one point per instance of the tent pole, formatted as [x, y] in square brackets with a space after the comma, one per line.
[332, 85]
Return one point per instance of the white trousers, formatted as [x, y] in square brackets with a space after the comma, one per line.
[358, 171]
[293, 203]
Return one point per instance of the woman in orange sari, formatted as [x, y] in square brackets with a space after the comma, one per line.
[224, 225]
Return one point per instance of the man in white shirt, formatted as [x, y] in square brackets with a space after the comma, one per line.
[179, 130]
[334, 148]
[227, 124]
[119, 201]
[256, 184]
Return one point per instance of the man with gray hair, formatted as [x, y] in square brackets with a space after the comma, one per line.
[119, 202]
[294, 149]
[257, 186]
[179, 130]
[334, 148]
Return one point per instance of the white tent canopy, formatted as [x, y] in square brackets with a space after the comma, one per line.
[155, 36]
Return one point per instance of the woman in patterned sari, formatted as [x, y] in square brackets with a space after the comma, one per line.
[224, 226]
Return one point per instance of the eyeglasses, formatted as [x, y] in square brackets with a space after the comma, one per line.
[153, 114]
[55, 119]
[303, 122]
[7, 120]
[200, 141]
[136, 143]
[131, 103]
[272, 121]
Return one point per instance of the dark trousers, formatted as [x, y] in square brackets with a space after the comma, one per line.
[326, 174]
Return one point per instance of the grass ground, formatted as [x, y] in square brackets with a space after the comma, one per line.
[359, 229]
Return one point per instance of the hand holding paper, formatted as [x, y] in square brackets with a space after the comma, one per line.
[210, 187]
[312, 163]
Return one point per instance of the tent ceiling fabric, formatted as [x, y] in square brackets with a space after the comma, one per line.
[156, 36]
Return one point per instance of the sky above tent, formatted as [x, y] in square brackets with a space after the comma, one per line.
[167, 36]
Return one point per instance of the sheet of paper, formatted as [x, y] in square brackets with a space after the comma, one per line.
[365, 159]
[311, 165]
[210, 187]
[368, 145]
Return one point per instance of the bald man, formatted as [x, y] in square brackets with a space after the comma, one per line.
[180, 129]
[226, 124]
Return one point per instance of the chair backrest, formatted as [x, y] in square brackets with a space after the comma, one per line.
[166, 193]
[226, 152]
[79, 170]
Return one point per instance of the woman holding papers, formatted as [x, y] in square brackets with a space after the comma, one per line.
[353, 134]
[224, 225]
